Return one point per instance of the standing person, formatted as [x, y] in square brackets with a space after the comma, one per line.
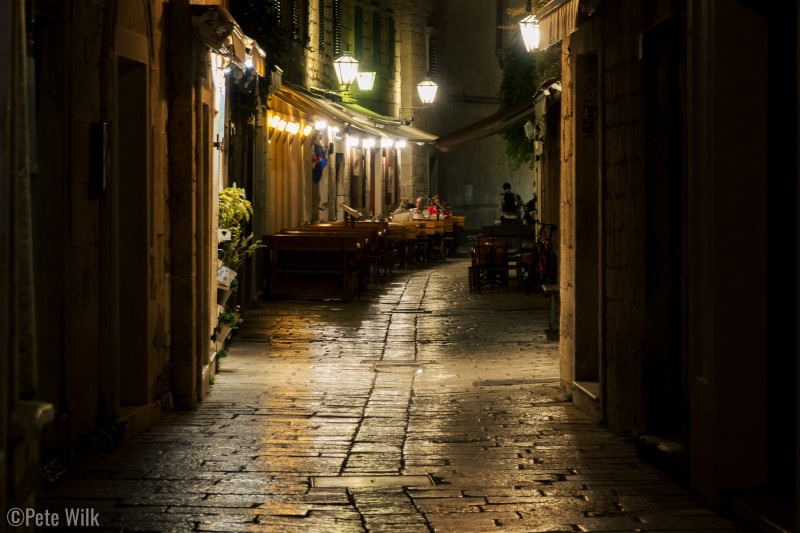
[319, 191]
[509, 205]
[420, 212]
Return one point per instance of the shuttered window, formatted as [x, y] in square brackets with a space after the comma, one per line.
[322, 41]
[358, 33]
[376, 40]
[337, 27]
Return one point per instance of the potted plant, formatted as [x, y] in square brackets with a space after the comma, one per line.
[234, 216]
[228, 321]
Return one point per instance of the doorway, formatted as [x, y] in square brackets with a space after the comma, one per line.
[131, 242]
[665, 400]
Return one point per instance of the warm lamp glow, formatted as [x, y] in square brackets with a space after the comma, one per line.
[365, 80]
[386, 142]
[427, 90]
[307, 129]
[346, 67]
[274, 121]
[352, 141]
[293, 128]
[368, 143]
[281, 125]
[400, 144]
[530, 32]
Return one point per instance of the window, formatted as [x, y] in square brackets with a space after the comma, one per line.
[337, 27]
[390, 48]
[376, 40]
[322, 41]
[433, 54]
[299, 18]
[295, 19]
[358, 33]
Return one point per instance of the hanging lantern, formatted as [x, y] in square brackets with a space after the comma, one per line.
[427, 90]
[346, 67]
[530, 32]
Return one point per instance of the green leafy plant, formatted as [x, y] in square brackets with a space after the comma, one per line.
[234, 215]
[523, 74]
[218, 360]
[232, 319]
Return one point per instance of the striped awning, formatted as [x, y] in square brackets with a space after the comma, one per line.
[556, 21]
[560, 18]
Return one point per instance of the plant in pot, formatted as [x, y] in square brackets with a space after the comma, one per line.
[235, 211]
[228, 321]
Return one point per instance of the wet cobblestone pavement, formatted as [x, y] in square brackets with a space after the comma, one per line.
[419, 407]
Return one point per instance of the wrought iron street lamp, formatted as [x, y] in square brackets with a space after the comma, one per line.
[529, 26]
[346, 67]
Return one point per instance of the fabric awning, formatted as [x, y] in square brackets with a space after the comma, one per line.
[352, 119]
[556, 21]
[490, 125]
[395, 126]
[560, 18]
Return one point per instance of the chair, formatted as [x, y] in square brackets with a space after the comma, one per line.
[489, 264]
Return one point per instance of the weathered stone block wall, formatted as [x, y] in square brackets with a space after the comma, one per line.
[78, 270]
[623, 221]
[566, 228]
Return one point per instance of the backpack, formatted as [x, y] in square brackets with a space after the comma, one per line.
[509, 202]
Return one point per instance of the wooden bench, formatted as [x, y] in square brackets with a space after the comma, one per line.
[407, 246]
[372, 253]
[391, 237]
[309, 263]
[387, 236]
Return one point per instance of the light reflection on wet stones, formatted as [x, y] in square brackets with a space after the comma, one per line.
[325, 390]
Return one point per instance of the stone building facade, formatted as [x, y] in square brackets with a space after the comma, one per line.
[679, 236]
[114, 168]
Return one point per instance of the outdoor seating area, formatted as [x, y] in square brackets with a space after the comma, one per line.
[338, 260]
[498, 256]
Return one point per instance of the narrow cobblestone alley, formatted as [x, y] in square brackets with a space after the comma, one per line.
[419, 407]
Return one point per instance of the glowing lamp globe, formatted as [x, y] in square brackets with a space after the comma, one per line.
[529, 26]
[346, 67]
[427, 90]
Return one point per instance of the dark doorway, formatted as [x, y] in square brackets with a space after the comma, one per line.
[663, 148]
[131, 241]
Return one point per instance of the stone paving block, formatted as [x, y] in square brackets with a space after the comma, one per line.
[499, 494]
[457, 523]
[460, 504]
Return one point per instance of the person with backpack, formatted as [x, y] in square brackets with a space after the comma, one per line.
[509, 206]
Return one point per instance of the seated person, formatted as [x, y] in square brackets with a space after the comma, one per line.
[420, 212]
[438, 207]
[403, 211]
